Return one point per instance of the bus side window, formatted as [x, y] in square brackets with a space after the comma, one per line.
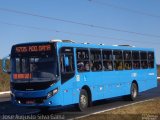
[67, 67]
[107, 60]
[151, 59]
[144, 61]
[96, 61]
[118, 60]
[127, 60]
[82, 60]
[136, 59]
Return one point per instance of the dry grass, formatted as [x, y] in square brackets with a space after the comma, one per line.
[4, 80]
[139, 111]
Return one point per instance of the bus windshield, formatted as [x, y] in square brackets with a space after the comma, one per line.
[34, 67]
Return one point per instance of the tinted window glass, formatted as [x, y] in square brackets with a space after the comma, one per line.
[107, 60]
[135, 55]
[151, 59]
[118, 60]
[127, 55]
[143, 55]
[136, 59]
[82, 60]
[96, 62]
[144, 61]
[127, 60]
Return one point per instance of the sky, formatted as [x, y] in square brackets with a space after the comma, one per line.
[111, 22]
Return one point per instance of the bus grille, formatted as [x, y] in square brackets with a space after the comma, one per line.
[31, 86]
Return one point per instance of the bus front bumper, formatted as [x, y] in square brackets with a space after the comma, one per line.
[35, 99]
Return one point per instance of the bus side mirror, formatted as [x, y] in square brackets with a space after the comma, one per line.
[5, 66]
[66, 59]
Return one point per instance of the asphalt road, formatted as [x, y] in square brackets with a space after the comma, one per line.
[7, 108]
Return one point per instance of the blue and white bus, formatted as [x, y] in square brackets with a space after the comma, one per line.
[59, 73]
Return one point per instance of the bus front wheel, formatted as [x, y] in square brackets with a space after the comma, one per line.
[83, 100]
[134, 91]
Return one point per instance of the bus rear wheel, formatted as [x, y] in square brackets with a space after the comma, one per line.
[83, 100]
[134, 91]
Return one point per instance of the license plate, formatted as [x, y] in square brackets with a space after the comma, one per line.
[30, 101]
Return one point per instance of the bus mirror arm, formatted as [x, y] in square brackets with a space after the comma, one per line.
[4, 60]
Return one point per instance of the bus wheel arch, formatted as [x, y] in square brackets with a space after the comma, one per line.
[134, 81]
[134, 90]
[88, 90]
[84, 98]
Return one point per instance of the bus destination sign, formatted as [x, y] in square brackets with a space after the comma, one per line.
[35, 48]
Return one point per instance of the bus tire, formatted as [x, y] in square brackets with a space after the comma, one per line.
[83, 100]
[133, 91]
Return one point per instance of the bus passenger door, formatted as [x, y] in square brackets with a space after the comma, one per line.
[67, 70]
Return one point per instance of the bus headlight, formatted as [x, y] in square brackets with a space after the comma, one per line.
[51, 93]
